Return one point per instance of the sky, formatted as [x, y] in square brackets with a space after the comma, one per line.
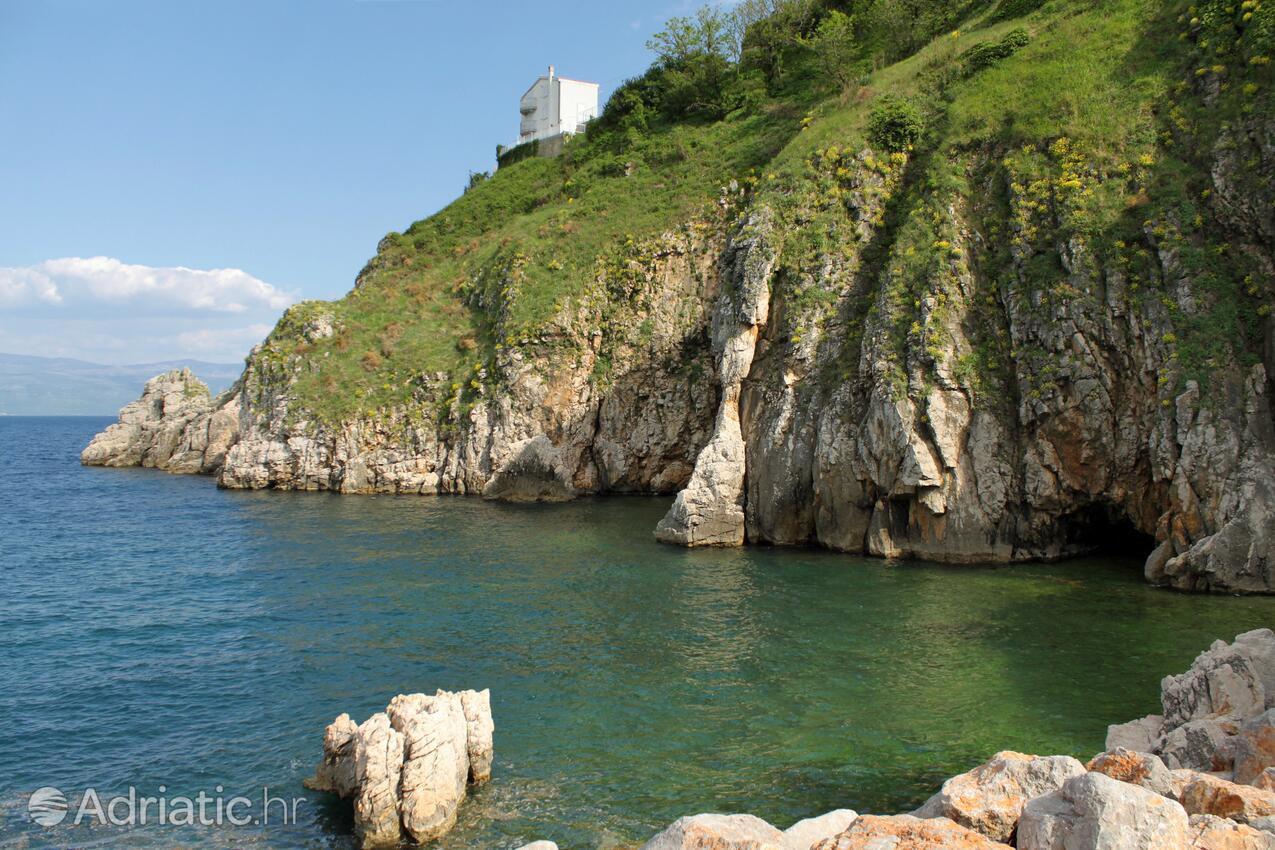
[175, 174]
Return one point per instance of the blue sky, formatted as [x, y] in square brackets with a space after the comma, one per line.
[173, 173]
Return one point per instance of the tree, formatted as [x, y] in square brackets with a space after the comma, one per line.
[694, 65]
[836, 48]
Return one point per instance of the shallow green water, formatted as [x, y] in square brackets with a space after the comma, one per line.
[159, 630]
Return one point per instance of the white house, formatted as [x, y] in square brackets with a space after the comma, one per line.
[555, 105]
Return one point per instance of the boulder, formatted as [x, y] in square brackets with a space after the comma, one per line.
[1142, 769]
[406, 769]
[1225, 682]
[805, 834]
[539, 845]
[1209, 832]
[1265, 780]
[1212, 795]
[990, 798]
[1137, 735]
[1096, 812]
[718, 832]
[1198, 745]
[907, 832]
[1254, 748]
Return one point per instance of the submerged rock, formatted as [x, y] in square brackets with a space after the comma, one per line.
[990, 798]
[407, 768]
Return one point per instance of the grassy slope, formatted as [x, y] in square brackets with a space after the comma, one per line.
[497, 265]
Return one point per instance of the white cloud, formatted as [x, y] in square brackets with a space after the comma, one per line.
[77, 280]
[106, 311]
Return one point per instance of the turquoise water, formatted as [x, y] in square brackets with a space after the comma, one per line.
[156, 630]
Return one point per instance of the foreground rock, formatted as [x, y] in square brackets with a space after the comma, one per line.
[1142, 769]
[906, 832]
[406, 769]
[990, 798]
[1214, 833]
[176, 426]
[805, 834]
[1209, 795]
[1097, 812]
[718, 832]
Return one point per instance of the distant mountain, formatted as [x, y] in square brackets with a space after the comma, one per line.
[60, 386]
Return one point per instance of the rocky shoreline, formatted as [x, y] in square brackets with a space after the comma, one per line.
[179, 427]
[1199, 776]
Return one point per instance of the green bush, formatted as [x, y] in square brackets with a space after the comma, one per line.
[895, 124]
[988, 53]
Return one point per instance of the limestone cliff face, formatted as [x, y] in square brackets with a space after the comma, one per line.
[1015, 395]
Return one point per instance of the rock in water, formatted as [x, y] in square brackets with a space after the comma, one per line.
[718, 832]
[176, 425]
[1096, 812]
[407, 768]
[990, 798]
[906, 832]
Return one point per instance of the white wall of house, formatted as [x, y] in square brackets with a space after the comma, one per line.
[556, 105]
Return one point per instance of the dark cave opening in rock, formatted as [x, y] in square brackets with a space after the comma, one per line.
[1101, 530]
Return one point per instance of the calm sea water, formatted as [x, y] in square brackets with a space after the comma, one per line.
[158, 631]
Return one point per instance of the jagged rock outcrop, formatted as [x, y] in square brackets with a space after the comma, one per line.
[710, 511]
[407, 769]
[176, 425]
[1216, 715]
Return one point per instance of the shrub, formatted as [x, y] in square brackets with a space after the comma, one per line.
[988, 53]
[895, 124]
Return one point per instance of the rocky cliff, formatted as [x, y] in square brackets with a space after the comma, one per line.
[990, 345]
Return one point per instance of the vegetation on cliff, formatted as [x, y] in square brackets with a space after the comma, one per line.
[1083, 117]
